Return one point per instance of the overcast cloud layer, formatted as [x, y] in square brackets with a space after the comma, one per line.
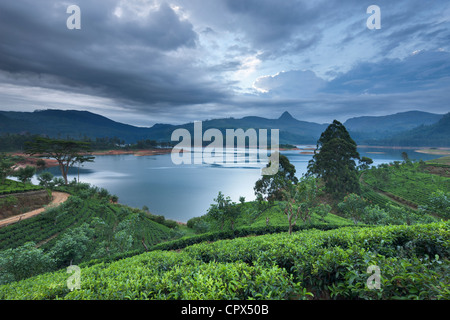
[149, 61]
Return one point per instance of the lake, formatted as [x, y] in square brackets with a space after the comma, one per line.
[181, 192]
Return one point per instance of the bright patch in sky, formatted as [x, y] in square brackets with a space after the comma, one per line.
[182, 60]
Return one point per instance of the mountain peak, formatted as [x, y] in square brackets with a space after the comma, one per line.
[286, 116]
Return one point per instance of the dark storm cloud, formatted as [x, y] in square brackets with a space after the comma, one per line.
[195, 58]
[277, 27]
[418, 82]
[125, 58]
[419, 71]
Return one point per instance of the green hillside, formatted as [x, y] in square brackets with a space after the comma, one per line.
[69, 123]
[377, 127]
[310, 264]
[87, 226]
[256, 215]
[127, 253]
[407, 183]
[405, 129]
[11, 186]
[433, 135]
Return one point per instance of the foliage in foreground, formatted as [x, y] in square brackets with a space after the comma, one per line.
[413, 262]
[87, 226]
[11, 187]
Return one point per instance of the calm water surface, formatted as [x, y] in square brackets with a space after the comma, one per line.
[180, 192]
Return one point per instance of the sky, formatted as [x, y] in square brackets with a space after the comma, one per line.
[143, 62]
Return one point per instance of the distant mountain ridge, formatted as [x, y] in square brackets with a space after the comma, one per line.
[380, 127]
[79, 124]
[291, 130]
[434, 135]
[68, 123]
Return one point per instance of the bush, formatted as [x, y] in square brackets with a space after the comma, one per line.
[375, 215]
[25, 174]
[45, 179]
[413, 263]
[104, 194]
[438, 203]
[198, 224]
[72, 246]
[353, 207]
[23, 262]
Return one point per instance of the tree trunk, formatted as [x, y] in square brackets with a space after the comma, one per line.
[143, 243]
[63, 172]
[290, 225]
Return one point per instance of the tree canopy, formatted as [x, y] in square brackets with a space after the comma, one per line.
[7, 166]
[66, 152]
[334, 161]
[270, 186]
[223, 209]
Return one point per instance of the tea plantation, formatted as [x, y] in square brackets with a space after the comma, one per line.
[127, 253]
[413, 263]
[11, 186]
[87, 226]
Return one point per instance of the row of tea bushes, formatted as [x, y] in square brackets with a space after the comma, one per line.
[412, 261]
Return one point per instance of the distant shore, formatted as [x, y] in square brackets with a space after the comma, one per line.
[390, 147]
[437, 151]
[144, 152]
[427, 150]
[32, 160]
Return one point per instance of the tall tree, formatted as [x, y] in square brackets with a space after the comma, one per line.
[270, 186]
[334, 161]
[66, 152]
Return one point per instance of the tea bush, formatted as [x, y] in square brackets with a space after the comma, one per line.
[413, 263]
[10, 187]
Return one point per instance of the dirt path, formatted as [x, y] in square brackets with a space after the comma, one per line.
[58, 198]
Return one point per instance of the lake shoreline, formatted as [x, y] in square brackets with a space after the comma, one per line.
[49, 163]
[307, 150]
[182, 192]
[138, 153]
[426, 150]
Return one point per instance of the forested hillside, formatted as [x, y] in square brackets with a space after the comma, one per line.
[411, 128]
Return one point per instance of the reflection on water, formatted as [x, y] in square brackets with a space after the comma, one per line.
[180, 192]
